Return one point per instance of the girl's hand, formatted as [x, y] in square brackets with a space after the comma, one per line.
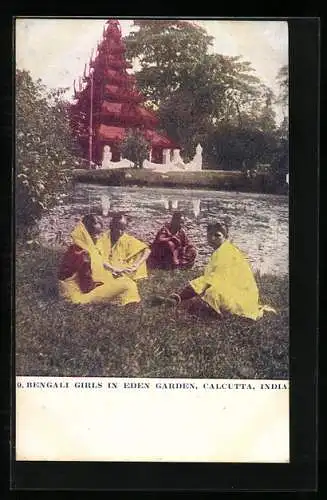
[118, 270]
[114, 270]
[130, 269]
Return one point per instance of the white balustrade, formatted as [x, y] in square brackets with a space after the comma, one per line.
[107, 164]
[177, 164]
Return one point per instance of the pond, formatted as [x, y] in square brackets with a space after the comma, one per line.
[258, 222]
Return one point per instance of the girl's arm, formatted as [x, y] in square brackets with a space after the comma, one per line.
[141, 259]
[114, 270]
[163, 235]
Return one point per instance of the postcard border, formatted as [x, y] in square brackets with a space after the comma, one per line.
[300, 474]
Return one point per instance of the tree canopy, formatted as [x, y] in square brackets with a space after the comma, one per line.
[198, 94]
[166, 50]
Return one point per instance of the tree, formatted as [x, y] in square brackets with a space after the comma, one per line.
[196, 92]
[233, 148]
[135, 147]
[280, 165]
[282, 80]
[165, 50]
[283, 129]
[43, 149]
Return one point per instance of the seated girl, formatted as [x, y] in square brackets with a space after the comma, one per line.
[227, 285]
[124, 254]
[171, 248]
[82, 276]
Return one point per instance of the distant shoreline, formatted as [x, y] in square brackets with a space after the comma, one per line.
[208, 179]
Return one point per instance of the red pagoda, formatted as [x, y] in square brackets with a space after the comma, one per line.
[108, 104]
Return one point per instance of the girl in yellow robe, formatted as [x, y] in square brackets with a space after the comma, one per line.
[227, 284]
[125, 255]
[83, 278]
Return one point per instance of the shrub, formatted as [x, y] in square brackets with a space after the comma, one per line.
[44, 149]
[135, 148]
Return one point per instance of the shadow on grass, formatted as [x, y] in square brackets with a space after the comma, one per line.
[57, 338]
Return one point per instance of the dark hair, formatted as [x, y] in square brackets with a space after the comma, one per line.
[116, 218]
[177, 215]
[90, 220]
[215, 227]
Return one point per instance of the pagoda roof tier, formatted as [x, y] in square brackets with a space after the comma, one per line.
[129, 114]
[120, 77]
[159, 140]
[113, 46]
[125, 112]
[147, 115]
[117, 63]
[117, 134]
[116, 77]
[123, 95]
[111, 133]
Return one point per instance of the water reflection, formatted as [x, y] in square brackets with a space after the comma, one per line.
[169, 204]
[196, 207]
[258, 222]
[105, 204]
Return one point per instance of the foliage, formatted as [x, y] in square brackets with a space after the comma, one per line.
[283, 129]
[43, 149]
[280, 164]
[205, 98]
[135, 147]
[282, 80]
[55, 338]
[236, 148]
[165, 50]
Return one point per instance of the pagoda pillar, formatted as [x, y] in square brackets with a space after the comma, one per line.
[166, 156]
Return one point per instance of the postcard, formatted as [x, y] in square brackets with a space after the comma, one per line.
[152, 240]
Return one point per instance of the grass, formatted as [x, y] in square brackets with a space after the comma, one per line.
[211, 179]
[55, 338]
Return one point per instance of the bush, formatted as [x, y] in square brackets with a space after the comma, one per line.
[135, 148]
[44, 149]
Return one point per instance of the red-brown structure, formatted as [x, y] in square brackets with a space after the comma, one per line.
[108, 104]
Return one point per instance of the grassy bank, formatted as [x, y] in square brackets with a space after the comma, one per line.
[209, 179]
[54, 338]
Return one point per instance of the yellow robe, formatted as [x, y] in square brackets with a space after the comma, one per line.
[125, 252]
[120, 290]
[229, 284]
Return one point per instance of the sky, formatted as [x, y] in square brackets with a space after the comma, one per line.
[56, 50]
